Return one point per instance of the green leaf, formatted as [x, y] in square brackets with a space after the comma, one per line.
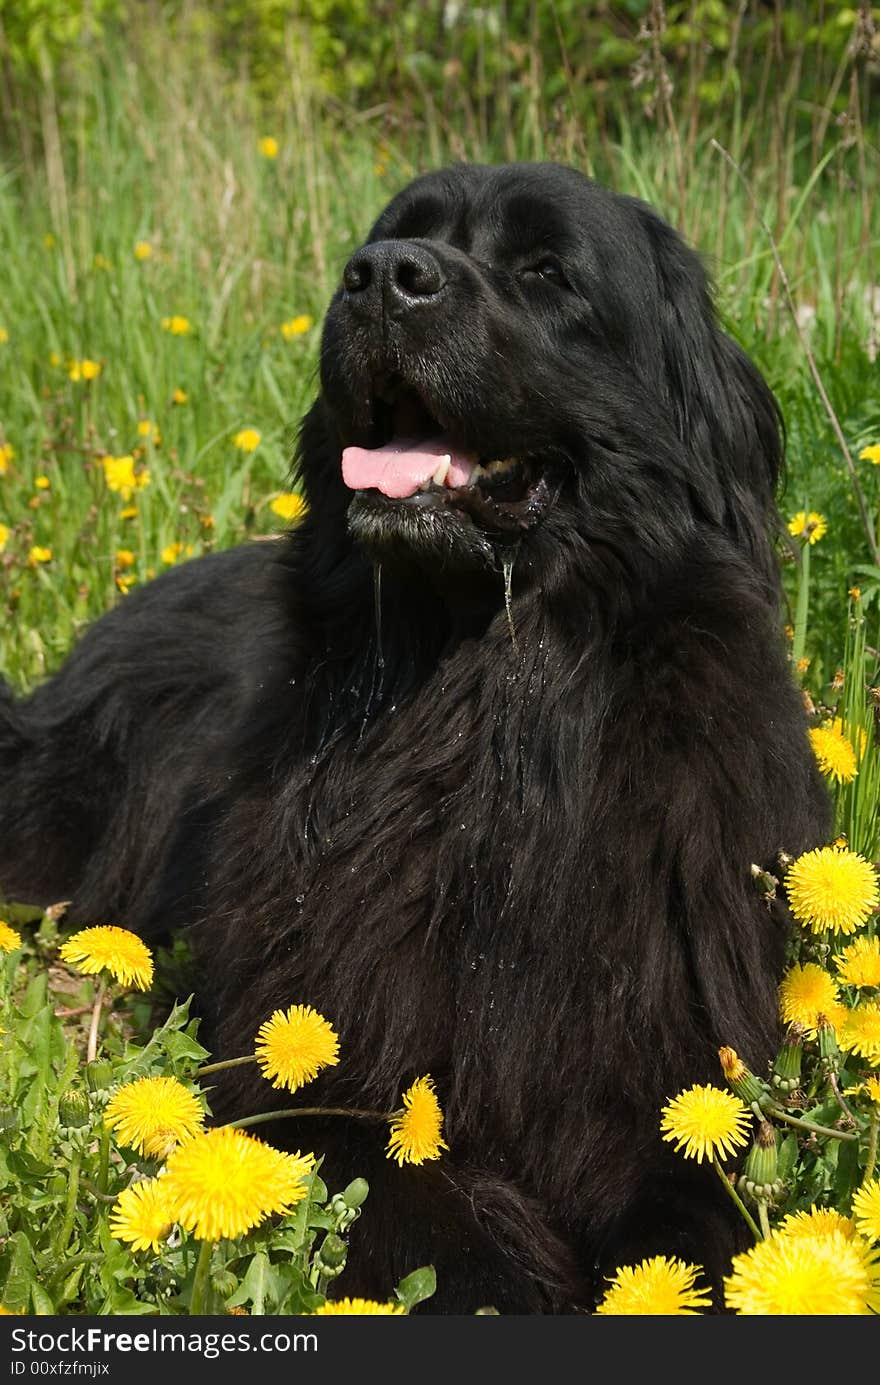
[20, 1276]
[43, 1305]
[416, 1287]
[787, 1157]
[179, 1046]
[847, 1173]
[263, 1286]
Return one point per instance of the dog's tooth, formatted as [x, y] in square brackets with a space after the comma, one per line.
[439, 477]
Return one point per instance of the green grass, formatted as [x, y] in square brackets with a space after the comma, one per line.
[156, 143]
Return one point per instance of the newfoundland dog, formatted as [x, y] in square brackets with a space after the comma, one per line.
[478, 759]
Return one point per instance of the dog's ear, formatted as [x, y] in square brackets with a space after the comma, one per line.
[723, 406]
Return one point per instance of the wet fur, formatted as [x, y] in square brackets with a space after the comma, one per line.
[521, 866]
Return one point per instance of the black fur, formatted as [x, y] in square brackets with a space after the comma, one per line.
[511, 849]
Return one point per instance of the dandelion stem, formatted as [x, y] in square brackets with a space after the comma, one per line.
[265, 1116]
[226, 1063]
[103, 1159]
[94, 1191]
[70, 1204]
[802, 606]
[200, 1281]
[835, 1087]
[92, 1049]
[873, 1130]
[736, 1199]
[763, 1218]
[777, 1113]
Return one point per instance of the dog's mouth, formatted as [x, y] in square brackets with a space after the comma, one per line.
[414, 460]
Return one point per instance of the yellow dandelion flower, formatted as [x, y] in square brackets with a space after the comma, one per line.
[84, 370]
[866, 1210]
[124, 557]
[178, 326]
[288, 507]
[294, 1045]
[869, 1088]
[222, 1182]
[859, 964]
[172, 551]
[828, 1274]
[704, 1122]
[55, 358]
[179, 397]
[122, 953]
[855, 593]
[121, 477]
[100, 261]
[817, 1221]
[4, 336]
[10, 938]
[834, 751]
[657, 1287]
[49, 240]
[247, 440]
[296, 326]
[831, 888]
[146, 429]
[416, 1130]
[860, 1032]
[268, 147]
[124, 583]
[803, 665]
[129, 512]
[358, 1307]
[38, 554]
[812, 526]
[7, 452]
[42, 483]
[871, 453]
[5, 531]
[805, 993]
[153, 1115]
[142, 249]
[141, 1215]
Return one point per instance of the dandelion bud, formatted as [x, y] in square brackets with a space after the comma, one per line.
[99, 1075]
[743, 1082]
[759, 1170]
[765, 883]
[331, 1256]
[73, 1110]
[829, 1053]
[787, 1065]
[355, 1194]
[224, 1283]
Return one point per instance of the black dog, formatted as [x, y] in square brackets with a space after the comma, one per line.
[477, 761]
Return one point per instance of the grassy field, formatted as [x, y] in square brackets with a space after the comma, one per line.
[150, 154]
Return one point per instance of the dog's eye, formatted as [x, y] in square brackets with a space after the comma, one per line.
[549, 269]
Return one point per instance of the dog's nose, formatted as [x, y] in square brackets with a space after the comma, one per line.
[401, 273]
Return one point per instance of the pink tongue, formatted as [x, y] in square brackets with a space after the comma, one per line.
[402, 466]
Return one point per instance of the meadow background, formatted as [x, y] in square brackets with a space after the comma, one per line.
[181, 185]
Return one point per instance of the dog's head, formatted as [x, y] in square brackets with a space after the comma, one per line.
[517, 355]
